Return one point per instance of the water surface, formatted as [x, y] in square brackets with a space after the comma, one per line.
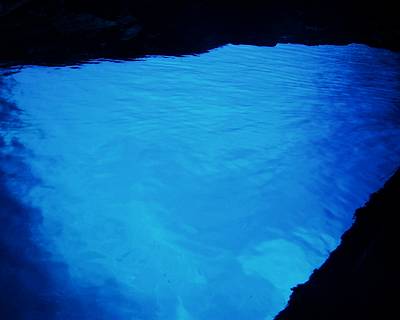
[201, 187]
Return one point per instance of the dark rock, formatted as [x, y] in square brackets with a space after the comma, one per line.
[83, 22]
[64, 31]
[7, 6]
[131, 32]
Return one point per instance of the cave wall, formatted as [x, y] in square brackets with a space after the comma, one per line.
[46, 31]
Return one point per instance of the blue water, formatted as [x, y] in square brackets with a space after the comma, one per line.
[199, 187]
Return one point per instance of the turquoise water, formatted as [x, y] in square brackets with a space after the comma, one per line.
[200, 187]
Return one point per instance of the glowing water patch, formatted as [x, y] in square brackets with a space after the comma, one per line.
[207, 186]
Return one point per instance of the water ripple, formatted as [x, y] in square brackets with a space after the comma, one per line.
[207, 185]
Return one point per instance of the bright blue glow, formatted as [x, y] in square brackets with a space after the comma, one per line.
[205, 187]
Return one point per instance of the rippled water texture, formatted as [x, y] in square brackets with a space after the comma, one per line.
[199, 187]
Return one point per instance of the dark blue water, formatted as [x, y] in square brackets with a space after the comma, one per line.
[199, 187]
